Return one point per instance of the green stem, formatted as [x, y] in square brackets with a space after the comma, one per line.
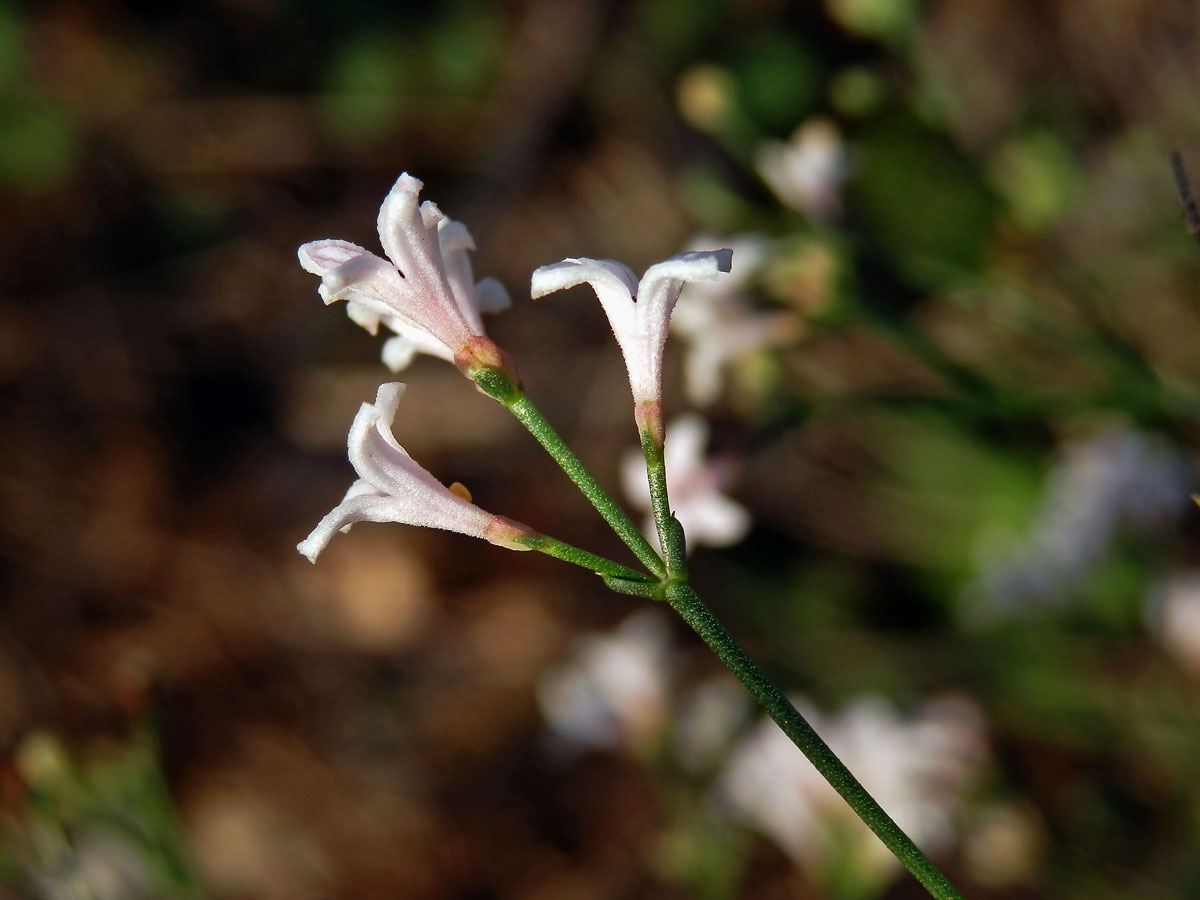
[688, 604]
[670, 534]
[674, 588]
[580, 557]
[529, 416]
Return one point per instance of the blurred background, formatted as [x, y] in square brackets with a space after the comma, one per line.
[953, 382]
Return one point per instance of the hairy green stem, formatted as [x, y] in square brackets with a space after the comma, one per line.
[688, 604]
[580, 557]
[674, 588]
[529, 416]
[670, 534]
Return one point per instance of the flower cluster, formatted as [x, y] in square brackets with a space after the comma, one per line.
[614, 690]
[426, 293]
[617, 689]
[807, 172]
[1118, 480]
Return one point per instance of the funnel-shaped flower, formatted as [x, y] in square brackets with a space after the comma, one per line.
[391, 487]
[638, 311]
[426, 294]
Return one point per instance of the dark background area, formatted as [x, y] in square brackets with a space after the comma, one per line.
[968, 470]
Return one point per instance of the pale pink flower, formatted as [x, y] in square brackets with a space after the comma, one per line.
[391, 487]
[638, 311]
[426, 294]
[694, 484]
[916, 768]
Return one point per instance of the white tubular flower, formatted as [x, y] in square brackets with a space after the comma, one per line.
[391, 487]
[426, 293]
[638, 311]
[694, 484]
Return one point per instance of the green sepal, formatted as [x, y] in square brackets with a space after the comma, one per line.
[676, 549]
[498, 385]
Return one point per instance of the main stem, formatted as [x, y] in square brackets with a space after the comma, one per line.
[684, 600]
[688, 604]
[532, 419]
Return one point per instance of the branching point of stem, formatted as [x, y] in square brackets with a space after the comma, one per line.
[531, 417]
[669, 582]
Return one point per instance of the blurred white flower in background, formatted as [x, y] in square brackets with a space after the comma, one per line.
[916, 768]
[1117, 479]
[709, 719]
[613, 691]
[1173, 615]
[718, 323]
[100, 865]
[1003, 845]
[695, 485]
[806, 172]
